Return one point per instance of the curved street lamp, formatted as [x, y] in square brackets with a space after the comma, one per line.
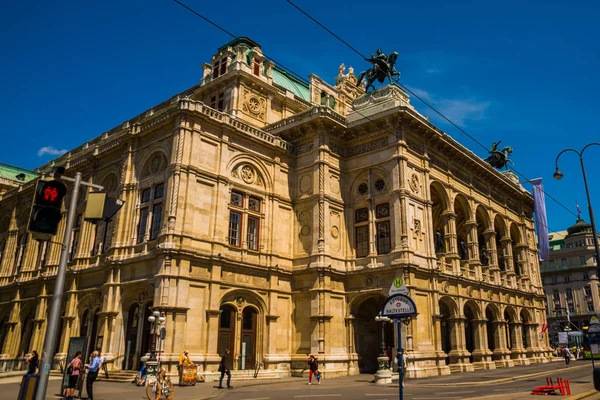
[558, 176]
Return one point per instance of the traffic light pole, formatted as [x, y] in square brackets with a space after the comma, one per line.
[51, 329]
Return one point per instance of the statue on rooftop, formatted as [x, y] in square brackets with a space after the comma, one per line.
[499, 158]
[383, 67]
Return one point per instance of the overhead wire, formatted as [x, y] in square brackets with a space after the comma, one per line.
[404, 87]
[357, 111]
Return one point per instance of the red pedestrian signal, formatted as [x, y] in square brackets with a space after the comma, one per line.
[46, 212]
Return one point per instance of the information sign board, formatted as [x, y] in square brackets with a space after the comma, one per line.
[398, 287]
[563, 338]
[399, 306]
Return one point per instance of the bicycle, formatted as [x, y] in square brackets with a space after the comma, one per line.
[158, 385]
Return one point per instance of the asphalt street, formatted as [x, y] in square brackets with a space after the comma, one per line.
[505, 383]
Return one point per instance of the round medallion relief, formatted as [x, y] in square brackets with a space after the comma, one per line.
[370, 282]
[254, 105]
[155, 164]
[335, 232]
[305, 230]
[247, 174]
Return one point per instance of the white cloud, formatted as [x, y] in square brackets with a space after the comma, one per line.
[456, 110]
[51, 150]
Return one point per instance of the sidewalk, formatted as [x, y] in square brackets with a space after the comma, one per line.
[525, 375]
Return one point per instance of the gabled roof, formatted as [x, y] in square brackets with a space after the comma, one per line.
[10, 172]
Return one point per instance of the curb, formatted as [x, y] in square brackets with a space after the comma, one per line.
[496, 381]
[583, 395]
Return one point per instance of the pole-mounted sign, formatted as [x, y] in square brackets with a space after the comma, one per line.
[399, 306]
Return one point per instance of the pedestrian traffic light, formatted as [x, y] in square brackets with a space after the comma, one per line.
[47, 205]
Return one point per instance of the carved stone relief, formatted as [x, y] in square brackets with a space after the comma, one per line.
[413, 183]
[417, 228]
[306, 184]
[254, 105]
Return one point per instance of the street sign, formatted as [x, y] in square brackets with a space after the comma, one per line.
[593, 333]
[398, 287]
[563, 338]
[594, 320]
[399, 306]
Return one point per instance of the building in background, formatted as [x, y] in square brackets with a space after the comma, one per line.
[570, 279]
[270, 215]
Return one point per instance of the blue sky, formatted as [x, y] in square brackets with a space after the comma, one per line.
[525, 73]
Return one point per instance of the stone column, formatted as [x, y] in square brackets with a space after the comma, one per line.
[518, 353]
[501, 351]
[459, 356]
[440, 355]
[490, 237]
[482, 356]
[452, 256]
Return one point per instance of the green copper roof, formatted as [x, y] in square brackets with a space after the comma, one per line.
[291, 83]
[9, 172]
[243, 40]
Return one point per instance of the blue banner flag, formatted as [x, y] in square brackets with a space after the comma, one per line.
[541, 221]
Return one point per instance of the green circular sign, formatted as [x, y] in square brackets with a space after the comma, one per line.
[398, 282]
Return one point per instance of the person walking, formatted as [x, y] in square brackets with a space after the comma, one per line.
[33, 363]
[74, 370]
[567, 355]
[313, 367]
[404, 366]
[225, 368]
[92, 374]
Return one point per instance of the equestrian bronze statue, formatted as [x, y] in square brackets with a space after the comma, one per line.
[383, 67]
[499, 158]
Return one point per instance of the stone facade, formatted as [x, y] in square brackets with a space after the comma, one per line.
[265, 213]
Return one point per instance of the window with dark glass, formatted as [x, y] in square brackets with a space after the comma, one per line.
[150, 213]
[383, 237]
[569, 294]
[156, 219]
[253, 233]
[586, 276]
[248, 218]
[362, 241]
[587, 291]
[590, 306]
[237, 199]
[20, 252]
[361, 215]
[254, 204]
[379, 185]
[363, 189]
[75, 238]
[142, 224]
[382, 210]
[225, 321]
[555, 295]
[234, 228]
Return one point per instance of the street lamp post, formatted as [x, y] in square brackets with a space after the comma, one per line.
[156, 322]
[558, 176]
[383, 374]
